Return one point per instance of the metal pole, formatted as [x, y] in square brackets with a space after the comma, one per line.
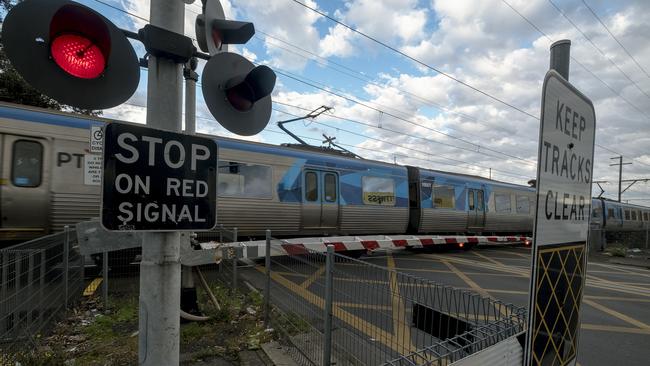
[66, 255]
[105, 279]
[327, 341]
[188, 288]
[620, 176]
[234, 269]
[191, 77]
[160, 270]
[267, 288]
[560, 57]
[234, 260]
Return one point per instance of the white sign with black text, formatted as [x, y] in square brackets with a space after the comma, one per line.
[561, 231]
[96, 139]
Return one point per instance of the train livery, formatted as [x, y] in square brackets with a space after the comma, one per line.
[49, 178]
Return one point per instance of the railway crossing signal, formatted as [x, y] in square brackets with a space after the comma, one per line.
[71, 53]
[237, 93]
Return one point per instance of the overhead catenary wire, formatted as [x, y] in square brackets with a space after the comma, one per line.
[615, 39]
[473, 166]
[419, 62]
[400, 133]
[358, 75]
[588, 71]
[442, 73]
[602, 53]
[352, 100]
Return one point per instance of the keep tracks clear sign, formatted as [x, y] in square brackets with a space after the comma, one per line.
[157, 180]
[564, 176]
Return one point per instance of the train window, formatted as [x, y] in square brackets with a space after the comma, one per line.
[502, 203]
[610, 213]
[480, 204]
[444, 197]
[523, 205]
[633, 215]
[311, 186]
[244, 180]
[470, 200]
[426, 190]
[330, 187]
[27, 163]
[645, 217]
[378, 191]
[627, 214]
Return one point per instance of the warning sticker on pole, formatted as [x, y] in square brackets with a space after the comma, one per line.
[564, 177]
[92, 169]
[96, 139]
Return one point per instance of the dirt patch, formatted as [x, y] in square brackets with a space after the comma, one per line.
[92, 335]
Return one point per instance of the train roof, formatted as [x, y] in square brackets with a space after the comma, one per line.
[58, 118]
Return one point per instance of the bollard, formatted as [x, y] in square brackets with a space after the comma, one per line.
[327, 341]
[66, 254]
[267, 287]
[105, 280]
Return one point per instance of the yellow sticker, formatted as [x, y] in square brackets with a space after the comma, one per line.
[379, 198]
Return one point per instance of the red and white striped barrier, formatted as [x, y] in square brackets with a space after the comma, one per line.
[298, 246]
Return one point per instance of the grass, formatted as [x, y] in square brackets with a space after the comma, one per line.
[617, 251]
[88, 336]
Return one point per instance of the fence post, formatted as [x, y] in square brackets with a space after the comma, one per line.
[66, 255]
[30, 284]
[41, 287]
[105, 280]
[327, 341]
[267, 288]
[234, 260]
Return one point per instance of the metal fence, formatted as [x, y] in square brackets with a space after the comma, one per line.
[329, 308]
[39, 279]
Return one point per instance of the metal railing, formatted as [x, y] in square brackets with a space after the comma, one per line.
[39, 279]
[329, 308]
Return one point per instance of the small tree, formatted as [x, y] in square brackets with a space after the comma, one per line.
[14, 89]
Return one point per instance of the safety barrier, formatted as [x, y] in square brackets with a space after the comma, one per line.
[256, 248]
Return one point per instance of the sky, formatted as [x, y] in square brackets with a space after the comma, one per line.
[453, 85]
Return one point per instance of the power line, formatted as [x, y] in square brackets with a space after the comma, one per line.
[587, 70]
[598, 48]
[311, 84]
[421, 63]
[476, 167]
[616, 39]
[389, 130]
[360, 76]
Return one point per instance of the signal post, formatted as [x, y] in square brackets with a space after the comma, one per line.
[160, 268]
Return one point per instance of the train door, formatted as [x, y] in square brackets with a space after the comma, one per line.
[476, 209]
[24, 187]
[320, 205]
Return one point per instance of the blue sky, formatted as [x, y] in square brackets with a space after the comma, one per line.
[394, 109]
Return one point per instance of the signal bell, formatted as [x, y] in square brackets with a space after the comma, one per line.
[71, 53]
[237, 93]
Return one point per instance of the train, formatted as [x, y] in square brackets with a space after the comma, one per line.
[50, 177]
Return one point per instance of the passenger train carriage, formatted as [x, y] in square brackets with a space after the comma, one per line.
[50, 179]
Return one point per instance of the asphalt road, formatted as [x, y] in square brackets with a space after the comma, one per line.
[615, 312]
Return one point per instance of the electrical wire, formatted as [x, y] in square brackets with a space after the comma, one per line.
[616, 39]
[419, 62]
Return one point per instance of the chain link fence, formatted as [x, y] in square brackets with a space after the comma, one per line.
[327, 308]
[39, 279]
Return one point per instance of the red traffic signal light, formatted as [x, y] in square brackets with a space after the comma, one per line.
[78, 56]
[71, 53]
[237, 93]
